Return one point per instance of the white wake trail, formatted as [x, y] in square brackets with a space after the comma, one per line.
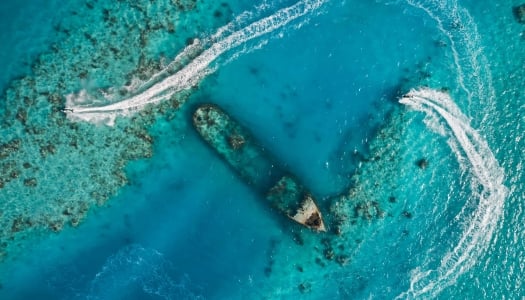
[226, 39]
[473, 73]
[471, 149]
[486, 182]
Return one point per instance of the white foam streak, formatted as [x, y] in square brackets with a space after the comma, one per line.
[193, 72]
[486, 182]
[455, 22]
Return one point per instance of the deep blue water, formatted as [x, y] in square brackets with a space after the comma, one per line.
[321, 93]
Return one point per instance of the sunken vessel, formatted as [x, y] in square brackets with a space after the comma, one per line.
[256, 166]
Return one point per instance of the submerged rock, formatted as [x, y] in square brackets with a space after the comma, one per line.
[9, 147]
[305, 287]
[342, 259]
[407, 214]
[519, 13]
[20, 223]
[30, 182]
[56, 225]
[185, 5]
[422, 163]
[329, 253]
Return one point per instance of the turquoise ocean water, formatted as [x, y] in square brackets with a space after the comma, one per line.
[405, 119]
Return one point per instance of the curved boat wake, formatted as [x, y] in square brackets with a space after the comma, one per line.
[458, 26]
[201, 55]
[474, 156]
[474, 79]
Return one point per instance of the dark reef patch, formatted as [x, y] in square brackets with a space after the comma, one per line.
[519, 13]
[42, 149]
[422, 163]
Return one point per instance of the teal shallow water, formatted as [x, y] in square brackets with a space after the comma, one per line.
[320, 91]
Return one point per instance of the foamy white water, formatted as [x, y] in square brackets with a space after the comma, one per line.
[80, 106]
[486, 180]
[472, 68]
[471, 149]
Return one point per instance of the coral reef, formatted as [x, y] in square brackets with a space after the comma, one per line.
[52, 170]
